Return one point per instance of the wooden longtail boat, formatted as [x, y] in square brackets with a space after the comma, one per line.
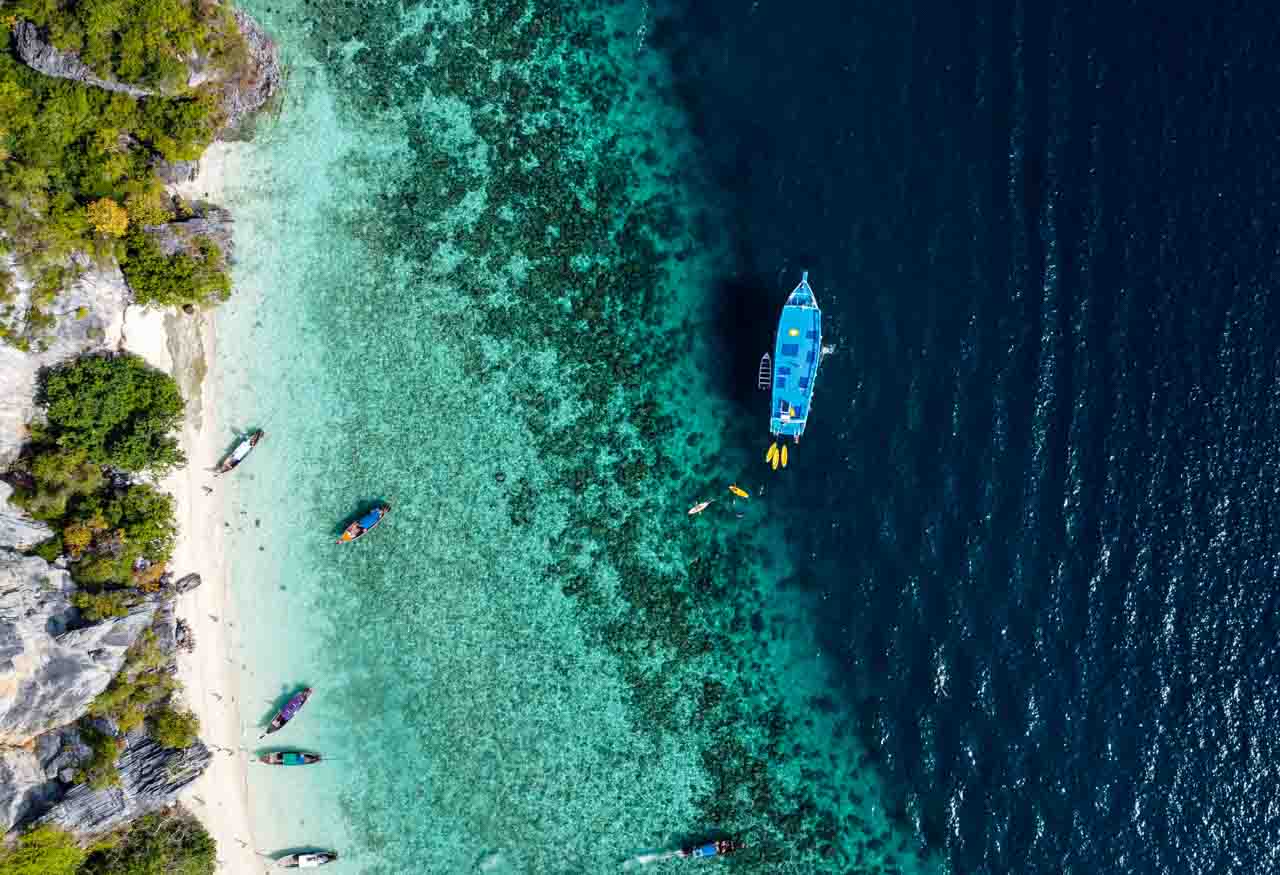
[288, 712]
[236, 456]
[365, 524]
[312, 860]
[289, 758]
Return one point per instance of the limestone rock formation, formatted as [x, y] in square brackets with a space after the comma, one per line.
[24, 787]
[17, 530]
[207, 221]
[49, 675]
[151, 776]
[90, 315]
[44, 58]
[246, 93]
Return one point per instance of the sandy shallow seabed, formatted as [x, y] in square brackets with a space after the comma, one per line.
[184, 346]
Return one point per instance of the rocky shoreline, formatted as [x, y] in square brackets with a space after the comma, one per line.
[53, 663]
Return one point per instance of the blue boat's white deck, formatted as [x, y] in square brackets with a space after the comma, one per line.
[796, 353]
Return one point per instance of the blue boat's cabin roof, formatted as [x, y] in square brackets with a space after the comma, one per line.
[797, 350]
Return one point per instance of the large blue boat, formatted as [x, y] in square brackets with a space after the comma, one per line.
[797, 350]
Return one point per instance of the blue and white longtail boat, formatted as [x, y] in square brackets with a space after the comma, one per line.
[797, 350]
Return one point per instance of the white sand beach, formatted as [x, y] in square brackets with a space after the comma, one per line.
[183, 345]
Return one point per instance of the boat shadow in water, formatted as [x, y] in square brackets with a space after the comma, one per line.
[363, 506]
[287, 692]
[744, 316]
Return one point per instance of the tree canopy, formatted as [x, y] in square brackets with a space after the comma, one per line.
[172, 843]
[42, 851]
[118, 410]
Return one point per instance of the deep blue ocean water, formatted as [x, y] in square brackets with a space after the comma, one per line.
[1037, 498]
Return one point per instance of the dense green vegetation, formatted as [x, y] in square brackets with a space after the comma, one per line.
[140, 687]
[174, 727]
[177, 279]
[66, 146]
[139, 41]
[42, 851]
[168, 843]
[118, 410]
[105, 415]
[77, 162]
[99, 772]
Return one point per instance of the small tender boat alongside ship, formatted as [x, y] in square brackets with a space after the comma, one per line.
[312, 860]
[289, 758]
[797, 351]
[365, 524]
[243, 449]
[288, 712]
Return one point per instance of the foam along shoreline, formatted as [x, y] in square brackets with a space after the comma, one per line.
[183, 346]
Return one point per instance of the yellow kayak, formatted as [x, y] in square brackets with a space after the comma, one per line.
[773, 452]
[784, 456]
[739, 491]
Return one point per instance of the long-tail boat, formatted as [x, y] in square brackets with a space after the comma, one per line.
[365, 524]
[236, 456]
[310, 860]
[288, 712]
[289, 758]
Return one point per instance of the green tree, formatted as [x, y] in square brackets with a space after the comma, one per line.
[174, 727]
[44, 850]
[174, 280]
[99, 772]
[118, 409]
[172, 843]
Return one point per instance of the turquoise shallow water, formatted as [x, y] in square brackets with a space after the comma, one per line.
[473, 259]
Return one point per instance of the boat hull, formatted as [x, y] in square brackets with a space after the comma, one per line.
[797, 351]
[365, 525]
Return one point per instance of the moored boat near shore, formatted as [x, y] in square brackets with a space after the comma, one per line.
[240, 452]
[289, 758]
[311, 860]
[365, 524]
[288, 712]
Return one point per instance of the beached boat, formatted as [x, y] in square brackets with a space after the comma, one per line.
[236, 456]
[797, 350]
[289, 758]
[311, 860]
[365, 524]
[288, 712]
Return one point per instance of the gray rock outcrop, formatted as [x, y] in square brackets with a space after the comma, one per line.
[90, 316]
[49, 675]
[17, 530]
[25, 789]
[44, 58]
[244, 95]
[151, 777]
[208, 222]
